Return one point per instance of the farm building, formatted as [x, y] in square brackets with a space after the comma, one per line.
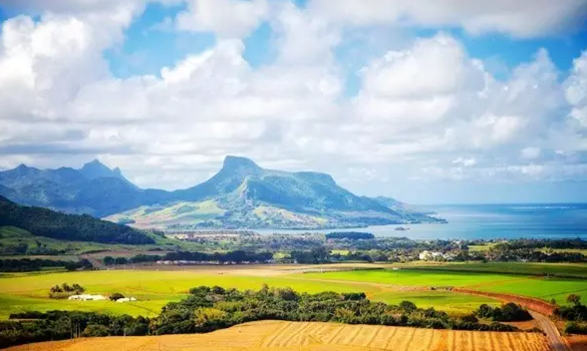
[87, 297]
[126, 299]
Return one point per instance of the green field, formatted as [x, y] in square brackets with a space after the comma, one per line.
[28, 291]
[412, 277]
[569, 270]
[21, 292]
[452, 303]
[545, 288]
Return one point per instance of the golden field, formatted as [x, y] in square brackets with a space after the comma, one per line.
[308, 336]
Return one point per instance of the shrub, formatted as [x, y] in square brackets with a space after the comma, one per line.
[116, 296]
[94, 330]
[576, 328]
[509, 312]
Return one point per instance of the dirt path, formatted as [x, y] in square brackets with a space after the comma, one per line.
[530, 303]
[538, 309]
[554, 337]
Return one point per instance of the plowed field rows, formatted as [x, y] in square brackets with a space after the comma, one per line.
[312, 336]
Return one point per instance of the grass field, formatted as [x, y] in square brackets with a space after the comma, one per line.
[452, 303]
[412, 277]
[308, 336]
[573, 270]
[541, 287]
[28, 291]
[154, 288]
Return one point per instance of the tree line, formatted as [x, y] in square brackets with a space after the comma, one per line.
[237, 256]
[211, 308]
[36, 264]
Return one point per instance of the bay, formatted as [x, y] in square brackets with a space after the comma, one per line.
[508, 221]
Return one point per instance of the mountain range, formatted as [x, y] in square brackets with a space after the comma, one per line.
[240, 195]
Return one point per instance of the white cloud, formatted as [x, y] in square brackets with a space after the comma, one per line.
[530, 153]
[520, 18]
[467, 162]
[422, 70]
[576, 90]
[227, 18]
[426, 111]
[302, 37]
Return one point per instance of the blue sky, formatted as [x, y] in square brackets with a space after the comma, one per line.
[150, 43]
[431, 102]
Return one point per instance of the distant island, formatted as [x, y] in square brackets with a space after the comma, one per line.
[240, 195]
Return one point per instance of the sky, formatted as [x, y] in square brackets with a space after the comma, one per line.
[443, 101]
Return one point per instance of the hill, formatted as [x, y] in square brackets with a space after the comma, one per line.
[240, 195]
[310, 336]
[244, 195]
[47, 223]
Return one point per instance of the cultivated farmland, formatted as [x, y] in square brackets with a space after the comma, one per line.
[308, 336]
[28, 292]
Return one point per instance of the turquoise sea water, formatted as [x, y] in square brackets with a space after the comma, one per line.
[489, 222]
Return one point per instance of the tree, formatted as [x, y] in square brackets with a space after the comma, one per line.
[408, 306]
[94, 330]
[108, 260]
[574, 299]
[120, 260]
[116, 296]
[78, 289]
[208, 316]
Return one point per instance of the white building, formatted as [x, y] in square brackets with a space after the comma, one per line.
[87, 297]
[126, 299]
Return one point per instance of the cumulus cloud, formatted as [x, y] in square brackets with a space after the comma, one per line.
[426, 111]
[576, 90]
[521, 18]
[227, 18]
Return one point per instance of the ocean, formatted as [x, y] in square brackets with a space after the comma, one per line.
[487, 222]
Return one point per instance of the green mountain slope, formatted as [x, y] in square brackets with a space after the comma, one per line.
[241, 194]
[47, 223]
[244, 195]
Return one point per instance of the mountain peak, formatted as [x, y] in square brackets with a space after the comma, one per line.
[96, 169]
[94, 163]
[236, 162]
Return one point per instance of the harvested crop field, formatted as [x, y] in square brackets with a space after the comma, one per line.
[310, 336]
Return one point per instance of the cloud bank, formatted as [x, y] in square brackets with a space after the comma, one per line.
[426, 111]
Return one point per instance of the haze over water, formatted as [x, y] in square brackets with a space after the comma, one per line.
[488, 222]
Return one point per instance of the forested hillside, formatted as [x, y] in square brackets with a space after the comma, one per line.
[47, 223]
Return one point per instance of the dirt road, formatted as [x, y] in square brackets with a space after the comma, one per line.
[554, 338]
